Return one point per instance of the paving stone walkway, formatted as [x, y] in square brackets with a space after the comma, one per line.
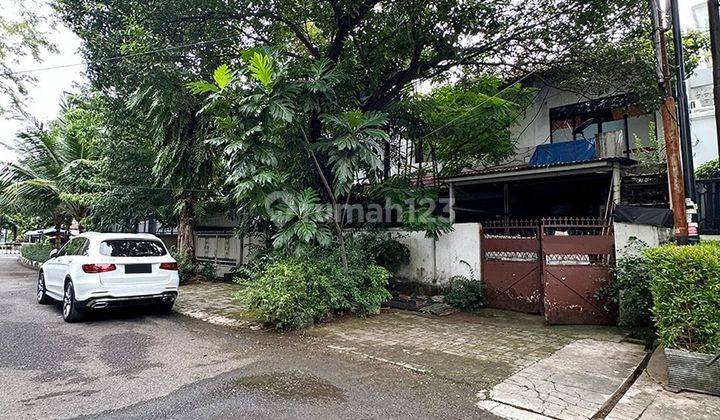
[214, 303]
[482, 349]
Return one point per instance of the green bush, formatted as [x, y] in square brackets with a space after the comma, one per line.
[381, 248]
[465, 294]
[686, 293]
[292, 292]
[39, 252]
[708, 170]
[631, 289]
[188, 270]
[388, 253]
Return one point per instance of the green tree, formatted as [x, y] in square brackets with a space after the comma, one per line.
[22, 36]
[52, 177]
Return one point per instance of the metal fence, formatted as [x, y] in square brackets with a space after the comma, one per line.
[9, 248]
[708, 191]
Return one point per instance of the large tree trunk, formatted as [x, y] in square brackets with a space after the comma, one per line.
[186, 228]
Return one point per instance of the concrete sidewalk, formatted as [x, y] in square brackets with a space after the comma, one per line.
[648, 398]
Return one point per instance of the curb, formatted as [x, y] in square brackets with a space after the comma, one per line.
[34, 265]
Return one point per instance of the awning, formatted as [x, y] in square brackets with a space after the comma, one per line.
[512, 173]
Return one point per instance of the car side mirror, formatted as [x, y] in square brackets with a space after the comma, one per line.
[53, 254]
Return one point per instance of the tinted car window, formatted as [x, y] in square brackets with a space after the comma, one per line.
[79, 246]
[132, 248]
[72, 247]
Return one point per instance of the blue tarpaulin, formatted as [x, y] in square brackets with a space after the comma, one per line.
[565, 152]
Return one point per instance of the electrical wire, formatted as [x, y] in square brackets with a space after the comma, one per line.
[120, 57]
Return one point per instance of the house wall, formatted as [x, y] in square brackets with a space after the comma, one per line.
[435, 262]
[653, 236]
[533, 128]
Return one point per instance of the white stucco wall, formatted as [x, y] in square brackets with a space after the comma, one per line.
[653, 236]
[456, 253]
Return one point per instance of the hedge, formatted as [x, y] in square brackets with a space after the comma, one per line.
[686, 295]
[39, 252]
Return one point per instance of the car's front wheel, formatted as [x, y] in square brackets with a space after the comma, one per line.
[71, 311]
[42, 296]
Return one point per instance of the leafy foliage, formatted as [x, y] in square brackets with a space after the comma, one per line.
[191, 269]
[444, 123]
[686, 294]
[465, 294]
[23, 35]
[296, 291]
[707, 170]
[39, 252]
[631, 289]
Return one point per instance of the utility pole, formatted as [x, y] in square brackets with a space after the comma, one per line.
[683, 106]
[670, 129]
[714, 26]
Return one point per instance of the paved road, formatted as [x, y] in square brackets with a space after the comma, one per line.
[138, 365]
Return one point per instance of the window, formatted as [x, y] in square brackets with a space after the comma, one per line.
[76, 246]
[132, 248]
[587, 119]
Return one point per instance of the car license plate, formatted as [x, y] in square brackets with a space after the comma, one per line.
[138, 269]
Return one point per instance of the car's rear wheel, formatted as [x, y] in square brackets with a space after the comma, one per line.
[165, 307]
[71, 312]
[42, 296]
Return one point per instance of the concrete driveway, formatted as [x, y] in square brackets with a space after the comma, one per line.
[136, 365]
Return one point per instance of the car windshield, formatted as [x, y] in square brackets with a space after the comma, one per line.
[132, 248]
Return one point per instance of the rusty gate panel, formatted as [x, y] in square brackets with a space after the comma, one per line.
[511, 268]
[577, 258]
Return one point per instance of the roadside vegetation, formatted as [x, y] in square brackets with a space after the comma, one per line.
[675, 290]
[38, 252]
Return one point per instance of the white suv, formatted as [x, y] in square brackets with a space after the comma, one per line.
[101, 270]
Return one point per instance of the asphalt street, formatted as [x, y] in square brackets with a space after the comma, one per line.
[137, 364]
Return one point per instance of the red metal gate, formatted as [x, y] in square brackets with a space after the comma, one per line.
[553, 267]
[511, 266]
[577, 255]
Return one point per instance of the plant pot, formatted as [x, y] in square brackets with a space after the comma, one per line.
[689, 370]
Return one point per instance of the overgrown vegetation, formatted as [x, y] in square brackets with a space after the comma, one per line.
[686, 294]
[294, 291]
[466, 294]
[708, 170]
[191, 270]
[39, 252]
[630, 292]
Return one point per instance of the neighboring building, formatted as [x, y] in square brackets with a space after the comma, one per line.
[700, 96]
[702, 116]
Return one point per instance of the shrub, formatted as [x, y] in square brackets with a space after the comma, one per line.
[631, 289]
[465, 294]
[295, 291]
[39, 252]
[686, 293]
[707, 170]
[390, 253]
[192, 270]
[383, 250]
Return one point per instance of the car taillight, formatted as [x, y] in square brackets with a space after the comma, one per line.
[98, 268]
[168, 266]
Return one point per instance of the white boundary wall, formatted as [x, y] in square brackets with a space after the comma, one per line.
[434, 262]
[653, 236]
